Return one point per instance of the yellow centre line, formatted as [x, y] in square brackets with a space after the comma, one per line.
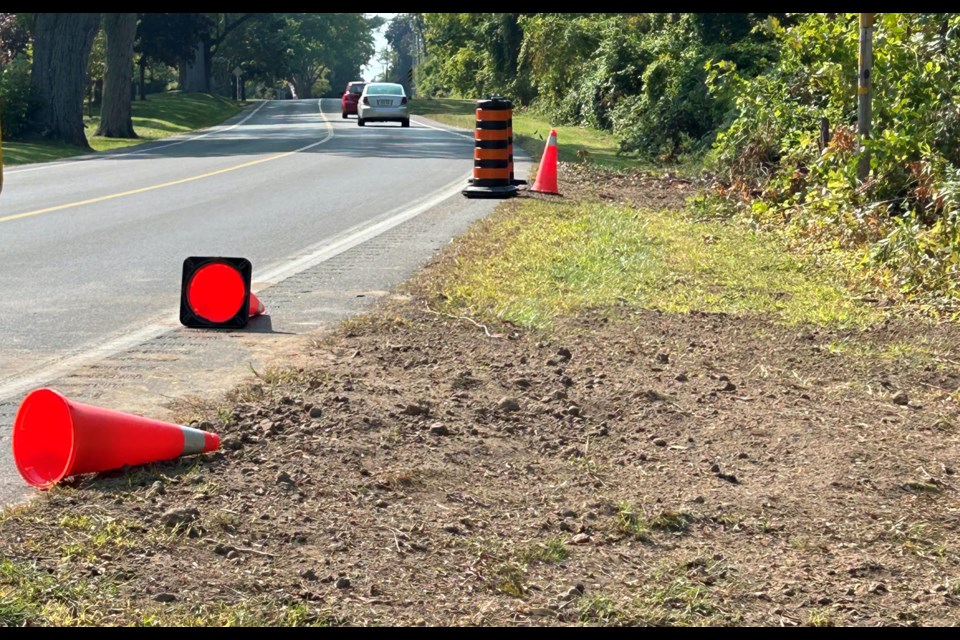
[133, 192]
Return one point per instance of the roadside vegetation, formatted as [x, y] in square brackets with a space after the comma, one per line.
[765, 101]
[563, 258]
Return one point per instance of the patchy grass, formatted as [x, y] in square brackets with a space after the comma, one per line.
[666, 599]
[680, 602]
[635, 523]
[602, 610]
[917, 538]
[505, 568]
[247, 614]
[550, 552]
[632, 522]
[158, 117]
[575, 144]
[820, 618]
[537, 260]
[30, 596]
[509, 578]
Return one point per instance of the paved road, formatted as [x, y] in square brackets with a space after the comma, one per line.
[92, 249]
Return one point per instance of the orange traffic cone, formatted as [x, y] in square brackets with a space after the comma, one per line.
[256, 307]
[215, 293]
[54, 438]
[547, 172]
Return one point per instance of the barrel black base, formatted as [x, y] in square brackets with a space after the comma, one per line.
[507, 191]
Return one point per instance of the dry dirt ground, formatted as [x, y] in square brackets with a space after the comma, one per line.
[628, 467]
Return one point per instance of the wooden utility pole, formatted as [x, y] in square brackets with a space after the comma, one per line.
[864, 95]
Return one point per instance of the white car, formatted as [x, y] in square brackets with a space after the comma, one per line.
[383, 102]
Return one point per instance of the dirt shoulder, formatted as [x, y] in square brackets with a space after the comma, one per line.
[624, 466]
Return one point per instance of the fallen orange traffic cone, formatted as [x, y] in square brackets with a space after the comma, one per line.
[547, 172]
[55, 438]
[256, 307]
[215, 293]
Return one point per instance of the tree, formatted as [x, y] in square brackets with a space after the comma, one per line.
[62, 44]
[116, 120]
[260, 48]
[403, 36]
[14, 37]
[167, 38]
[354, 49]
[338, 44]
[195, 69]
[474, 54]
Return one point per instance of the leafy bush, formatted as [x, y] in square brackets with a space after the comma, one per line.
[774, 166]
[641, 75]
[15, 98]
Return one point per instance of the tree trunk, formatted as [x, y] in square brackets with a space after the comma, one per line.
[61, 47]
[116, 119]
[195, 73]
[143, 77]
[305, 90]
[304, 80]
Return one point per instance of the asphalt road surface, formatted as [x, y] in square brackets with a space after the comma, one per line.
[91, 250]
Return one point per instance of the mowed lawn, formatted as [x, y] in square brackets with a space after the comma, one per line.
[160, 116]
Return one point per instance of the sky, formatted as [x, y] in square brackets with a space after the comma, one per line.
[375, 68]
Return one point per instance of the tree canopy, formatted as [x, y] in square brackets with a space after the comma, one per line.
[47, 63]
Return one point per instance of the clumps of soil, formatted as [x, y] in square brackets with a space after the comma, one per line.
[631, 467]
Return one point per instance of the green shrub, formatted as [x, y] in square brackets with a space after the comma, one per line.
[774, 167]
[15, 98]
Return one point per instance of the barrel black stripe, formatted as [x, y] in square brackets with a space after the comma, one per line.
[491, 164]
[493, 125]
[493, 144]
[494, 105]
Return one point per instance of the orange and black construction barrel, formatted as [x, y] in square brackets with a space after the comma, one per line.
[493, 151]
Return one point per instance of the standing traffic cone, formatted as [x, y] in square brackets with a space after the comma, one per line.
[54, 438]
[547, 172]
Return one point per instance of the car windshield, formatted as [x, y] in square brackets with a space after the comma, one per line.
[384, 90]
[356, 89]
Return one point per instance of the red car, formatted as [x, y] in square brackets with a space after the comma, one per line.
[351, 96]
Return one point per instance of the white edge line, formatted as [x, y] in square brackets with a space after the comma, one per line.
[67, 365]
[454, 132]
[464, 133]
[273, 275]
[355, 236]
[81, 160]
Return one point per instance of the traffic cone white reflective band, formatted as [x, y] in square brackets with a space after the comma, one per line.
[194, 441]
[552, 140]
[55, 438]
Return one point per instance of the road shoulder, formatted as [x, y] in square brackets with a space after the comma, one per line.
[592, 463]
